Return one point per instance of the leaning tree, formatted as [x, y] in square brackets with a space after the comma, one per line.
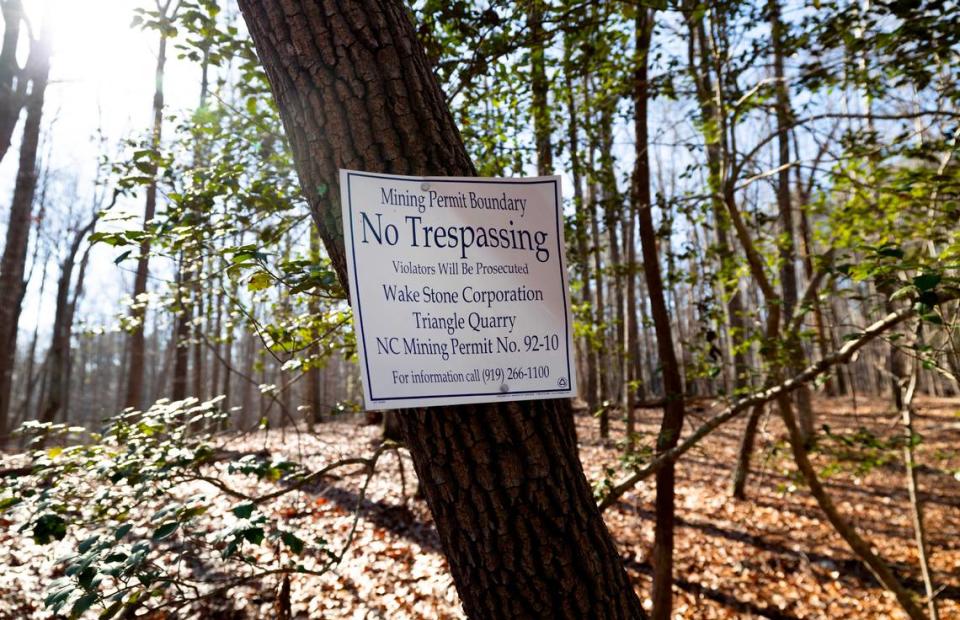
[504, 481]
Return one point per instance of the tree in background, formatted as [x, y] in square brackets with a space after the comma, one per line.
[159, 19]
[789, 174]
[13, 263]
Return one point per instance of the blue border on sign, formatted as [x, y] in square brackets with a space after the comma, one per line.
[563, 288]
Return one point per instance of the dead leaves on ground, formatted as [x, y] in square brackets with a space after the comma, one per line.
[771, 556]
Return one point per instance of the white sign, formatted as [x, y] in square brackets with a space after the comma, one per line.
[459, 289]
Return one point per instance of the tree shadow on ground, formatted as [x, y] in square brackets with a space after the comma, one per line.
[850, 569]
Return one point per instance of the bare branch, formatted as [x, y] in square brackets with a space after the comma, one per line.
[840, 356]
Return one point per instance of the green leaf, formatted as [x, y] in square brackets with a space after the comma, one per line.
[902, 292]
[928, 298]
[83, 604]
[243, 511]
[85, 545]
[122, 531]
[112, 610]
[231, 548]
[927, 281]
[253, 534]
[259, 281]
[165, 530]
[58, 596]
[145, 166]
[7, 502]
[49, 527]
[291, 540]
[109, 238]
[85, 578]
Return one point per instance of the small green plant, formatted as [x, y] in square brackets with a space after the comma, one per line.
[142, 502]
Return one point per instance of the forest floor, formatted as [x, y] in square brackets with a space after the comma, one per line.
[771, 556]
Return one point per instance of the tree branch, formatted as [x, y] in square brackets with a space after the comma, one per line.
[840, 356]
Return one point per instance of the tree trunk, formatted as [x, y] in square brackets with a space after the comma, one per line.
[200, 150]
[741, 470]
[59, 355]
[220, 357]
[595, 243]
[612, 207]
[639, 199]
[788, 251]
[913, 491]
[314, 399]
[699, 69]
[673, 408]
[599, 319]
[862, 548]
[771, 299]
[503, 481]
[181, 332]
[77, 294]
[833, 388]
[196, 333]
[136, 344]
[12, 84]
[31, 377]
[248, 399]
[539, 88]
[582, 222]
[13, 263]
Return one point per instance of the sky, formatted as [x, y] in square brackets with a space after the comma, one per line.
[102, 76]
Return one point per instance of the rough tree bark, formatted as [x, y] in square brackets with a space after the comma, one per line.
[503, 481]
[13, 263]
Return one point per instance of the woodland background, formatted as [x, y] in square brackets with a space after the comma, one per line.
[758, 190]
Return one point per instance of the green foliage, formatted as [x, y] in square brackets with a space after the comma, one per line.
[123, 504]
[883, 197]
[230, 204]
